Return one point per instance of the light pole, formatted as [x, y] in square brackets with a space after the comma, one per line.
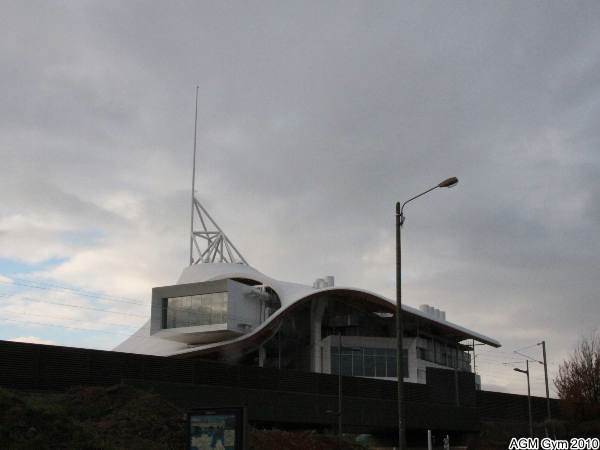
[340, 323]
[526, 372]
[545, 363]
[399, 328]
[339, 411]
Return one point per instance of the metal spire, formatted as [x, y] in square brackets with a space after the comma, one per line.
[193, 183]
[208, 244]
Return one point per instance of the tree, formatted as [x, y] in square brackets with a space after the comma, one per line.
[578, 380]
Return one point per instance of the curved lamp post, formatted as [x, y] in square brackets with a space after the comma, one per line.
[526, 372]
[450, 182]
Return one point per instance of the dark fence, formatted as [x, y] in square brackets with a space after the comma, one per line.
[498, 406]
[272, 396]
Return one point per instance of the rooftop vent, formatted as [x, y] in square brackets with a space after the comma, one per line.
[434, 313]
[325, 282]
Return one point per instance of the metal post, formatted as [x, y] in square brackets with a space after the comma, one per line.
[399, 333]
[429, 443]
[399, 328]
[474, 366]
[279, 349]
[456, 390]
[193, 183]
[339, 436]
[529, 400]
[549, 412]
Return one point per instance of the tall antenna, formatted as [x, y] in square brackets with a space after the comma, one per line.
[209, 241]
[193, 183]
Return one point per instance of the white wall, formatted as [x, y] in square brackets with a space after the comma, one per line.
[243, 308]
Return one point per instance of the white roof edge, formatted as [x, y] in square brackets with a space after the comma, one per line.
[417, 312]
[292, 293]
[471, 334]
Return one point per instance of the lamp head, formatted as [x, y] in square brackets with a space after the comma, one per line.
[450, 182]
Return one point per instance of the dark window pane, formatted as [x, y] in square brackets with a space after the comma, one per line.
[380, 370]
[357, 363]
[438, 353]
[205, 309]
[335, 362]
[369, 365]
[391, 366]
[347, 365]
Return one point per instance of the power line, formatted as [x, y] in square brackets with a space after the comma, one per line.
[525, 348]
[78, 292]
[5, 319]
[28, 299]
[108, 311]
[71, 319]
[28, 322]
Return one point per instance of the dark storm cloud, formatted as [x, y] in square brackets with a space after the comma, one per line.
[313, 120]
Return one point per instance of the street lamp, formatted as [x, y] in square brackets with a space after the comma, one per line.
[548, 410]
[339, 324]
[450, 182]
[545, 364]
[526, 372]
[339, 412]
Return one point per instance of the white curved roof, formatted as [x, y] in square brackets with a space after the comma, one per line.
[289, 294]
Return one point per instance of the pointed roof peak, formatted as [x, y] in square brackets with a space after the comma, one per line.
[210, 243]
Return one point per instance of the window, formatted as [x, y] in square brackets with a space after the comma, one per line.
[347, 363]
[437, 353]
[369, 355]
[453, 361]
[367, 362]
[425, 349]
[357, 362]
[464, 360]
[380, 362]
[444, 353]
[203, 309]
[391, 362]
[448, 355]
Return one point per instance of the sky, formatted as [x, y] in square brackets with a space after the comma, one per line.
[314, 118]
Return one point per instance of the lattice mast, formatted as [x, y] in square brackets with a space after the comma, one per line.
[208, 244]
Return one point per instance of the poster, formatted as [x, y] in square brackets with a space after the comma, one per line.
[215, 430]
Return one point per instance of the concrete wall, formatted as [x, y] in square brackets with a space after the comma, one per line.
[243, 309]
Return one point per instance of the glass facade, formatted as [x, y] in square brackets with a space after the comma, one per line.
[441, 353]
[193, 310]
[367, 362]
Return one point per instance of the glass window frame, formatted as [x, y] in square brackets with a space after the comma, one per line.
[195, 310]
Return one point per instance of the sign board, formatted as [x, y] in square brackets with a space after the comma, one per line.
[216, 429]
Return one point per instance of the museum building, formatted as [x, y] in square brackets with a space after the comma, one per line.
[223, 309]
